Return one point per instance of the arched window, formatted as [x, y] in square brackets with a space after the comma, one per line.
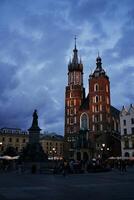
[84, 121]
[106, 88]
[96, 99]
[96, 87]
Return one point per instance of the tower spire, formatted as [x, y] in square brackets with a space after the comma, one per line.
[75, 38]
[75, 56]
[98, 62]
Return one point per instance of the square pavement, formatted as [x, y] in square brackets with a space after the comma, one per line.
[112, 185]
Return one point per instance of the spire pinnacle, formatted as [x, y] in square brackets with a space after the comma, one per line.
[75, 38]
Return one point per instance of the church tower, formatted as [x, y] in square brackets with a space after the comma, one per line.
[99, 103]
[74, 95]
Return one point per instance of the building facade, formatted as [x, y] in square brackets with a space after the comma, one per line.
[127, 131]
[91, 122]
[52, 144]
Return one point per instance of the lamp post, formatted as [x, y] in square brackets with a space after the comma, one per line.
[53, 151]
[104, 150]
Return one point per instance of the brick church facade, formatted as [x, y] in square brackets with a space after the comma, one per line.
[91, 122]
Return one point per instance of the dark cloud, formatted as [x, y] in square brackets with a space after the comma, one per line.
[36, 39]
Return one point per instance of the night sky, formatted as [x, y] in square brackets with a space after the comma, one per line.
[36, 43]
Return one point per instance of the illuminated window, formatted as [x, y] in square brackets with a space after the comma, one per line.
[96, 87]
[106, 88]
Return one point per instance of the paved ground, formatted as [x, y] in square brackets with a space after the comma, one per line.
[95, 186]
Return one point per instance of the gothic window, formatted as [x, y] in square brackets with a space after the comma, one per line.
[71, 111]
[96, 87]
[96, 99]
[71, 120]
[84, 121]
[124, 122]
[96, 108]
[100, 117]
[67, 111]
[67, 120]
[97, 127]
[96, 118]
[71, 102]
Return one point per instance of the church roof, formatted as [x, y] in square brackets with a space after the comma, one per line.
[114, 111]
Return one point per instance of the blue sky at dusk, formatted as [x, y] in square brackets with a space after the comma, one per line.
[36, 43]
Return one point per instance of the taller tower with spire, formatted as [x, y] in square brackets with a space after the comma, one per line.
[74, 95]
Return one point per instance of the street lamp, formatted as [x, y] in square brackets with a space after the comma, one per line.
[104, 151]
[53, 151]
[103, 145]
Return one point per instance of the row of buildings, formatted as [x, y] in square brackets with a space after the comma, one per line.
[52, 144]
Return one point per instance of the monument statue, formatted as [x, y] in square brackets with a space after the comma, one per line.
[35, 119]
